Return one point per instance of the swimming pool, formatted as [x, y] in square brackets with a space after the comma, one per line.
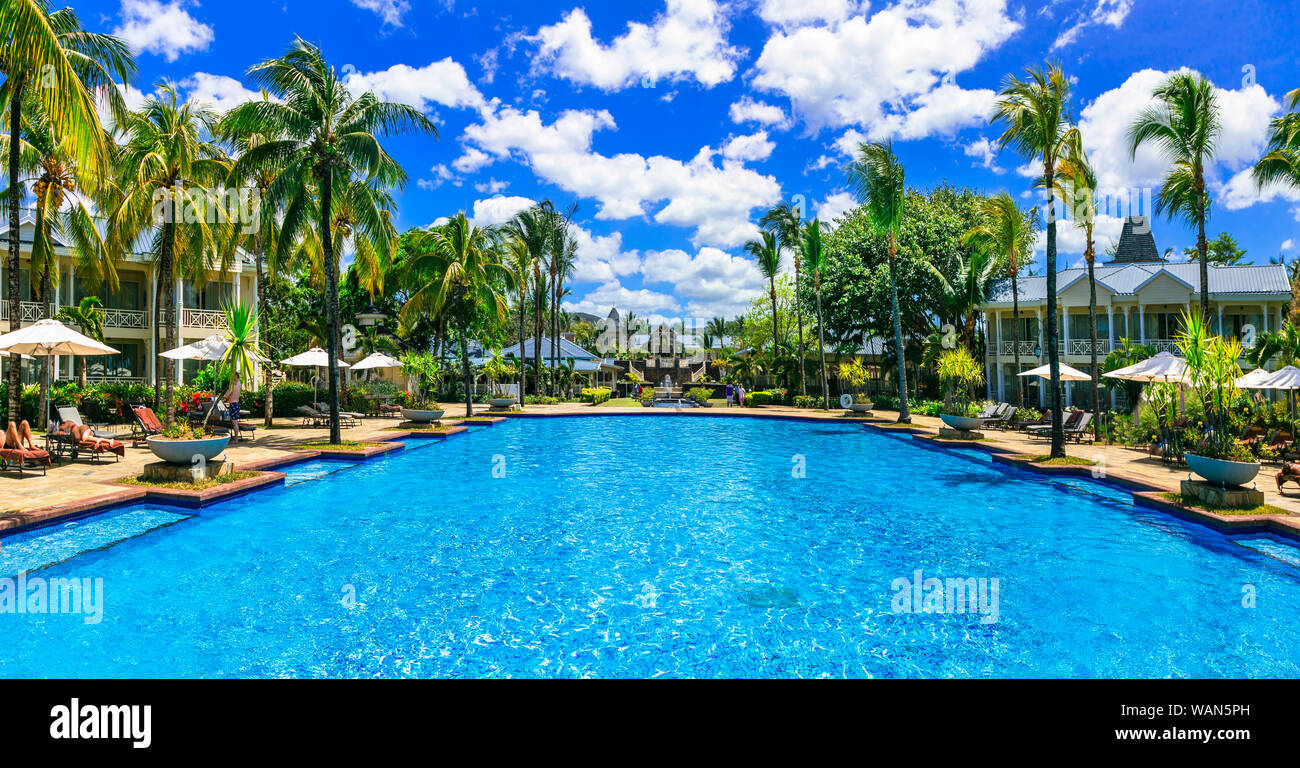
[667, 545]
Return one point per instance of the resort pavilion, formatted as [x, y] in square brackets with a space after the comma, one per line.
[1140, 296]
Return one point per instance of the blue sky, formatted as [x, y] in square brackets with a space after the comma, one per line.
[674, 124]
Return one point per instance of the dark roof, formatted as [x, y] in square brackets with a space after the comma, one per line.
[1136, 245]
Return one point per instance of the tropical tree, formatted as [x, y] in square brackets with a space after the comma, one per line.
[1282, 346]
[1184, 125]
[519, 260]
[1077, 187]
[88, 316]
[961, 296]
[167, 170]
[766, 252]
[533, 228]
[563, 251]
[880, 181]
[1281, 163]
[244, 355]
[1007, 232]
[814, 256]
[455, 270]
[321, 137]
[1125, 354]
[787, 221]
[1034, 114]
[49, 60]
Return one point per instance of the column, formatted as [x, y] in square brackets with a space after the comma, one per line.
[997, 322]
[1002, 388]
[1264, 314]
[1065, 330]
[1220, 328]
[153, 350]
[1142, 323]
[180, 303]
[1110, 327]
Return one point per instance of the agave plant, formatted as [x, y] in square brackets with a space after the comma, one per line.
[1213, 371]
[243, 356]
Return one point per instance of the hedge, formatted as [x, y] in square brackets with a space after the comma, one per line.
[596, 395]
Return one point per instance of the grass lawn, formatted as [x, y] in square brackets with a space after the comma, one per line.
[1066, 461]
[207, 482]
[1262, 509]
[416, 428]
[620, 402]
[346, 445]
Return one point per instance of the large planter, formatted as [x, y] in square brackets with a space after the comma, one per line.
[963, 423]
[184, 451]
[1222, 471]
[502, 402]
[422, 417]
[861, 407]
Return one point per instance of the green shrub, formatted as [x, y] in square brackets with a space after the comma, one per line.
[596, 395]
[758, 399]
[807, 401]
[700, 394]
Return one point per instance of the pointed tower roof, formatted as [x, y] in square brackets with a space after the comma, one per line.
[1136, 245]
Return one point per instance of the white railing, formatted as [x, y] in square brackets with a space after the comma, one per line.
[203, 318]
[1009, 347]
[1084, 347]
[1164, 345]
[126, 318]
[114, 379]
[28, 311]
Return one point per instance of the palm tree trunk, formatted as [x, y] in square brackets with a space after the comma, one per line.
[821, 345]
[1053, 354]
[523, 312]
[1015, 339]
[775, 333]
[798, 313]
[465, 368]
[43, 415]
[331, 305]
[157, 325]
[538, 295]
[15, 200]
[1092, 322]
[904, 413]
[166, 286]
[268, 410]
[1202, 247]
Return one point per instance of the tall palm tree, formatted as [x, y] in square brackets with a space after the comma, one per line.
[49, 59]
[1077, 184]
[1035, 117]
[562, 251]
[166, 168]
[88, 315]
[456, 270]
[533, 229]
[520, 262]
[787, 221]
[1281, 163]
[1005, 231]
[1184, 125]
[62, 212]
[262, 239]
[965, 291]
[323, 136]
[814, 256]
[767, 253]
[881, 185]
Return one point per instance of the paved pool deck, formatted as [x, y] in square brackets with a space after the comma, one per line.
[70, 488]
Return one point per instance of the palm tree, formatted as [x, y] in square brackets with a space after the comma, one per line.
[520, 261]
[1283, 346]
[814, 256]
[1281, 163]
[1077, 187]
[62, 212]
[881, 185]
[1004, 231]
[49, 60]
[456, 270]
[1035, 117]
[166, 169]
[534, 228]
[787, 221]
[963, 294]
[563, 252]
[768, 255]
[1185, 126]
[322, 136]
[88, 315]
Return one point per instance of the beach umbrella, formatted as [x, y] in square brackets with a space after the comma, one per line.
[213, 348]
[1287, 379]
[1163, 367]
[1067, 373]
[313, 358]
[377, 360]
[1253, 380]
[47, 338]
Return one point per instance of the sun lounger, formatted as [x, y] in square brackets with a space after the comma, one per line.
[146, 424]
[1080, 429]
[346, 418]
[1290, 474]
[221, 418]
[18, 449]
[69, 413]
[1002, 418]
[1045, 430]
[82, 439]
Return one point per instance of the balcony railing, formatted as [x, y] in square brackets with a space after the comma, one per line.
[28, 311]
[1084, 347]
[126, 318]
[203, 318]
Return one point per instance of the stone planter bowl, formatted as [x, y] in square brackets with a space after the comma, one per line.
[502, 402]
[184, 451]
[422, 417]
[861, 407]
[963, 423]
[1222, 471]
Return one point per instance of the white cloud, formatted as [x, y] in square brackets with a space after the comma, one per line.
[890, 74]
[985, 153]
[787, 13]
[825, 161]
[687, 41]
[749, 111]
[601, 258]
[390, 11]
[1288, 245]
[133, 97]
[752, 148]
[1109, 12]
[614, 294]
[442, 82]
[499, 209]
[1104, 123]
[835, 206]
[471, 160]
[712, 282]
[439, 174]
[715, 200]
[491, 186]
[166, 29]
[218, 92]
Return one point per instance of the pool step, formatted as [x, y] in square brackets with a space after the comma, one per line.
[1275, 548]
[43, 547]
[313, 470]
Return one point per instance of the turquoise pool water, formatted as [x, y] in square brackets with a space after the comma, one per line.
[658, 546]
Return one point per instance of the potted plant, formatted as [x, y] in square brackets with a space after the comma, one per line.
[183, 444]
[854, 375]
[1212, 373]
[499, 372]
[423, 370]
[960, 374]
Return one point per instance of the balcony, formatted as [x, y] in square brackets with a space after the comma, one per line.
[28, 311]
[126, 318]
[207, 319]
